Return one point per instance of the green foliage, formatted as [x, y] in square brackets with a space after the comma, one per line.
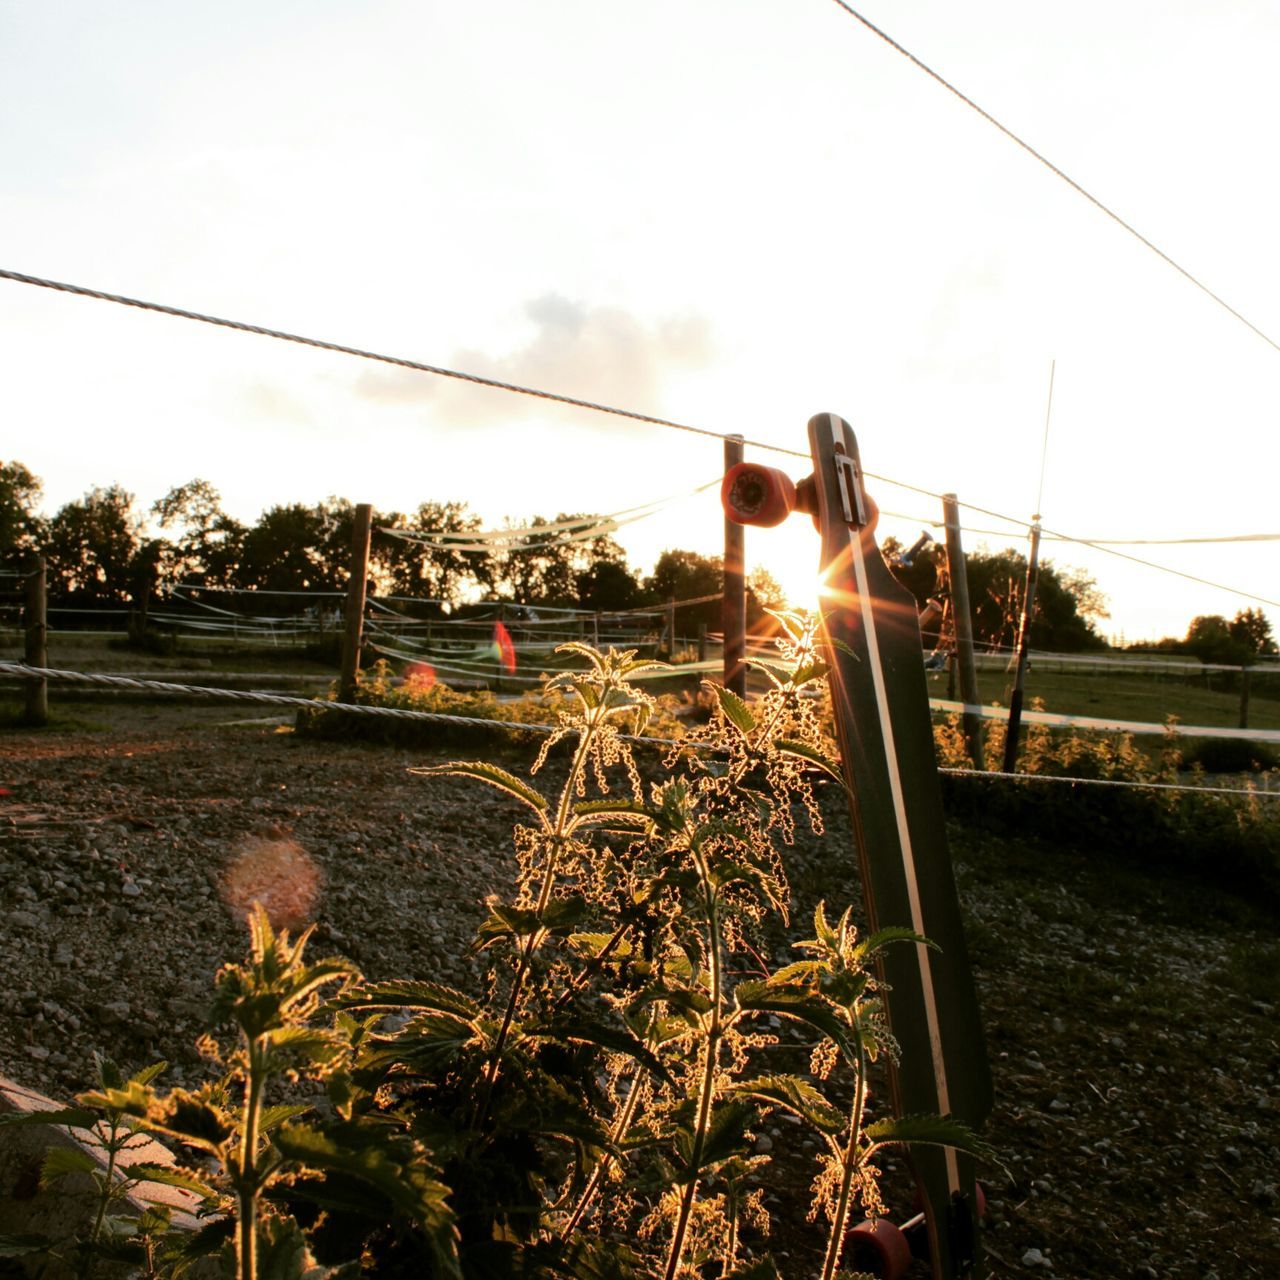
[1232, 842]
[92, 545]
[21, 529]
[604, 1082]
[1068, 602]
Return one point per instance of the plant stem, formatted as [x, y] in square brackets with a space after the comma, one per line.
[532, 942]
[850, 1161]
[247, 1253]
[706, 1092]
[620, 1127]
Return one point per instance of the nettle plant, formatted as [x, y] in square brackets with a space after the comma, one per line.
[593, 1111]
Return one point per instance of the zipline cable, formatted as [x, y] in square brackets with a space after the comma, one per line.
[402, 362]
[240, 326]
[1053, 168]
[515, 726]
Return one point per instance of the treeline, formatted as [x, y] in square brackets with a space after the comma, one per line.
[103, 551]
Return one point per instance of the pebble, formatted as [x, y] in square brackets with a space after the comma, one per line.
[130, 890]
[1034, 1258]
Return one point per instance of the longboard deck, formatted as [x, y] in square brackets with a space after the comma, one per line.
[886, 742]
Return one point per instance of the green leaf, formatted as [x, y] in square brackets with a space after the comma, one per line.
[814, 671]
[482, 771]
[407, 1186]
[408, 995]
[776, 671]
[940, 1131]
[763, 1269]
[794, 1095]
[877, 941]
[148, 1074]
[75, 1117]
[811, 755]
[797, 972]
[21, 1246]
[735, 710]
[172, 1176]
[273, 1116]
[799, 1004]
[61, 1162]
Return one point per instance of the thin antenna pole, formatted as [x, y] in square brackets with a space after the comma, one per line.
[1044, 447]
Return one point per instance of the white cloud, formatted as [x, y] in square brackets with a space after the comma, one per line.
[604, 354]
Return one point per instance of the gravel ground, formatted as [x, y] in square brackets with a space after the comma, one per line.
[1130, 1020]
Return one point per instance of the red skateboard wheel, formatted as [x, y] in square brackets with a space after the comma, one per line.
[756, 495]
[878, 1247]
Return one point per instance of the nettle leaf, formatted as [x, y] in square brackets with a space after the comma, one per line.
[766, 1269]
[482, 771]
[794, 1095]
[726, 1132]
[940, 1131]
[799, 1004]
[74, 1117]
[148, 1074]
[172, 1176]
[814, 671]
[631, 812]
[21, 1246]
[61, 1162]
[272, 1117]
[508, 922]
[193, 1120]
[408, 995]
[407, 1185]
[810, 755]
[591, 945]
[564, 913]
[797, 972]
[619, 1039]
[777, 672]
[735, 709]
[877, 941]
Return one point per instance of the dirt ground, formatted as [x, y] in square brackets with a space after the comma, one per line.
[1131, 1020]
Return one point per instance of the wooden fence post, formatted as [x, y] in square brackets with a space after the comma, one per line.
[733, 611]
[962, 616]
[36, 647]
[1244, 695]
[357, 587]
[1024, 644]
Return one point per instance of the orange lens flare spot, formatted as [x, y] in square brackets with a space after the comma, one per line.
[419, 675]
[278, 873]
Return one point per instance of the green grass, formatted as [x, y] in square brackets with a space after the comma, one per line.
[1128, 696]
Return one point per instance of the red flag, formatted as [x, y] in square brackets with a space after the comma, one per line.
[504, 650]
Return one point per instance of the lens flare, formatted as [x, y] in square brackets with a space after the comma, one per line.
[278, 873]
[419, 676]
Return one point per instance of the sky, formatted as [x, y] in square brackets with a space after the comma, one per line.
[730, 213]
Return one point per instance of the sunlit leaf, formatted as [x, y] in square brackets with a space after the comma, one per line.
[491, 774]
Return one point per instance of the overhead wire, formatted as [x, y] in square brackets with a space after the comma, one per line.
[1057, 172]
[418, 366]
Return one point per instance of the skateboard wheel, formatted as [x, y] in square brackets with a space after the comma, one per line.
[757, 495]
[878, 1247]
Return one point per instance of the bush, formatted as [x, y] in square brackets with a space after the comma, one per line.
[1229, 755]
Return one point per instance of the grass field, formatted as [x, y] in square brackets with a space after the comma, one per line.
[1135, 695]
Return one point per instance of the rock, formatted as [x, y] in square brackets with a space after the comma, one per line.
[1034, 1258]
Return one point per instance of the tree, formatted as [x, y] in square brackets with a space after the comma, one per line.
[300, 548]
[607, 586]
[686, 575]
[207, 544]
[92, 545]
[1251, 630]
[545, 568]
[409, 568]
[1068, 602]
[21, 528]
